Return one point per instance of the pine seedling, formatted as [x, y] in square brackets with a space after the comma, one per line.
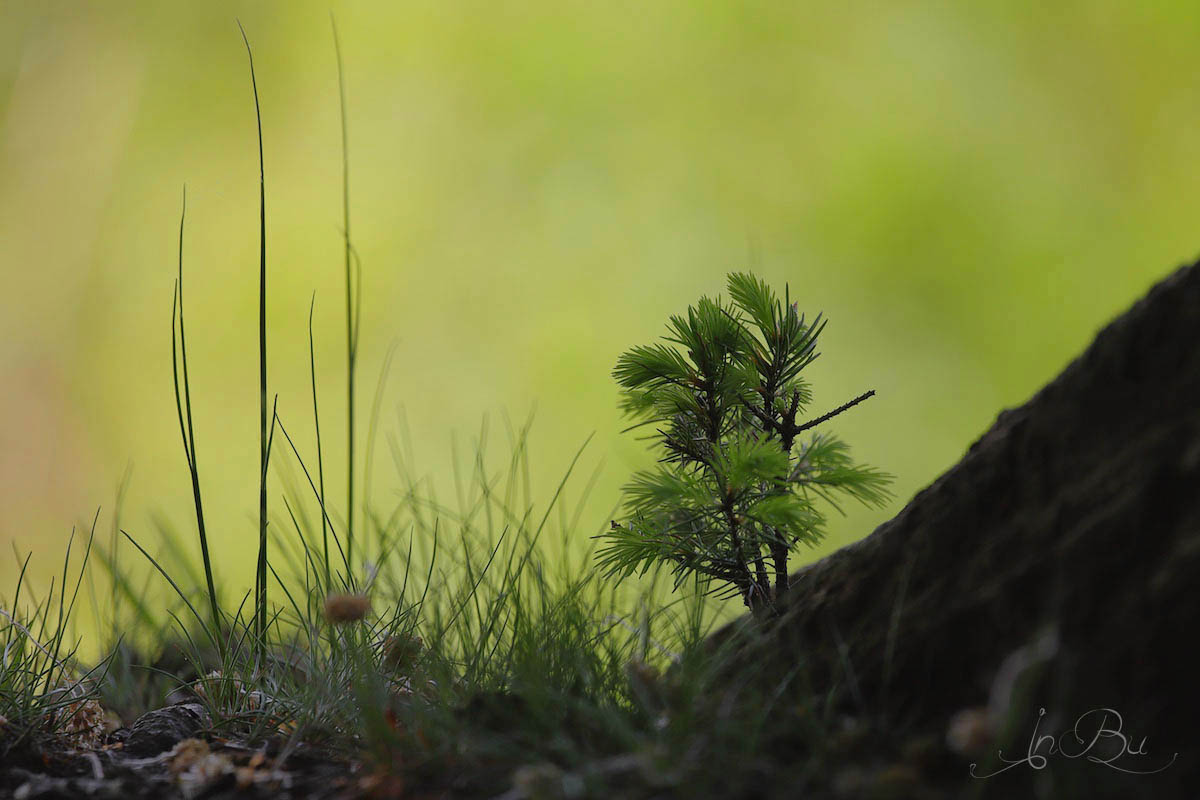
[737, 488]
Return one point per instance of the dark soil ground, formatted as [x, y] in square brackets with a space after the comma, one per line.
[169, 754]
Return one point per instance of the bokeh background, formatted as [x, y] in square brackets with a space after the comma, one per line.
[967, 190]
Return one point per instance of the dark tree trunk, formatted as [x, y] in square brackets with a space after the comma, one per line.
[1056, 566]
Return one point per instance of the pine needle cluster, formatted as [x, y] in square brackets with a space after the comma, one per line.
[737, 488]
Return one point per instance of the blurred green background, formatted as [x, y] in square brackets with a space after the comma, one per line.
[967, 190]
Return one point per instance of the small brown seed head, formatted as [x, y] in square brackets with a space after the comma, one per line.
[342, 609]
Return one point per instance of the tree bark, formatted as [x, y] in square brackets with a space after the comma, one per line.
[1070, 533]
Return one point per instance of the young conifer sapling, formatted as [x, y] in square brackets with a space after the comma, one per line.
[737, 488]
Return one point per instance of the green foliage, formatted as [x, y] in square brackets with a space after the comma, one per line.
[735, 486]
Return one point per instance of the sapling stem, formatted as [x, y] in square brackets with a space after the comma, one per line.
[840, 409]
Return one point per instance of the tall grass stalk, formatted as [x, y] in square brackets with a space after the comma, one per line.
[260, 583]
[353, 300]
[312, 371]
[188, 432]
